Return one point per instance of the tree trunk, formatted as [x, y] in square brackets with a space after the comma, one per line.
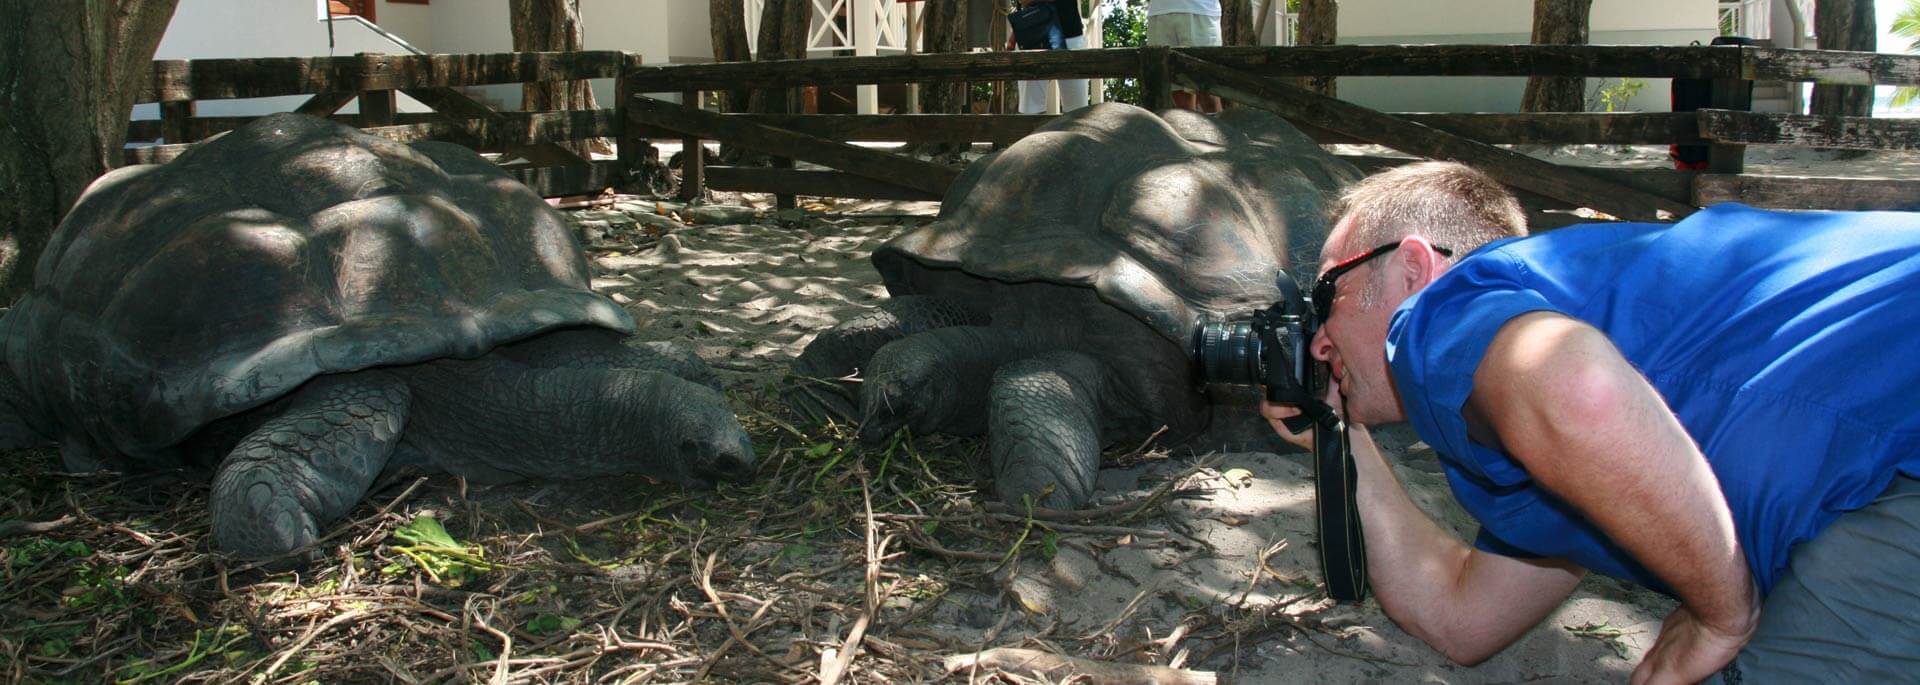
[1319, 25]
[783, 35]
[70, 70]
[1236, 23]
[727, 20]
[1843, 25]
[944, 29]
[1558, 22]
[553, 26]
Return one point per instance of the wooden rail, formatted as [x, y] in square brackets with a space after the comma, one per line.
[1650, 128]
[1237, 72]
[1240, 72]
[213, 79]
[1722, 61]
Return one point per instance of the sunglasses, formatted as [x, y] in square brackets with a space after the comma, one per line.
[1322, 294]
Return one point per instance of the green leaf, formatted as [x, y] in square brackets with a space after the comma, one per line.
[546, 624]
[1049, 545]
[444, 559]
[796, 551]
[55, 648]
[425, 530]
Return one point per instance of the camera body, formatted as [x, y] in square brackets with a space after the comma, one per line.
[1269, 349]
[1272, 349]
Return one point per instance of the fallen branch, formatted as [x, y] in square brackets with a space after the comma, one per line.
[13, 528]
[1057, 668]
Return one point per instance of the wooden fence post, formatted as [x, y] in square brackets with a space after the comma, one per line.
[627, 143]
[1734, 93]
[693, 163]
[173, 120]
[1156, 78]
[376, 108]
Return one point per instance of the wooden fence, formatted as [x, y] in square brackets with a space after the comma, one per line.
[529, 138]
[1239, 74]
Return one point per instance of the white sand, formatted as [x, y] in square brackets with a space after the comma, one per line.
[747, 294]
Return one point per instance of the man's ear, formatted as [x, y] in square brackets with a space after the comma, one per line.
[1419, 264]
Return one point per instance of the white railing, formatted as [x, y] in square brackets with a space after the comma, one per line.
[1287, 29]
[375, 28]
[872, 26]
[1749, 18]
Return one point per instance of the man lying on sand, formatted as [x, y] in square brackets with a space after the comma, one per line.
[1720, 409]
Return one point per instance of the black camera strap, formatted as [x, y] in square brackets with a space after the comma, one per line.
[1343, 549]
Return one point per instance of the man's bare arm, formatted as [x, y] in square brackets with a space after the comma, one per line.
[1467, 603]
[1590, 428]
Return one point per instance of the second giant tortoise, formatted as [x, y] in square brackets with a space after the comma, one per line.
[300, 305]
[1051, 304]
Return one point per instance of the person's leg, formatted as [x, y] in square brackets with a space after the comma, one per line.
[1033, 97]
[1206, 31]
[1073, 91]
[1844, 613]
[1173, 29]
[1161, 30]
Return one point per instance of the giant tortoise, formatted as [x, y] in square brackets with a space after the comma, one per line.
[300, 305]
[1051, 303]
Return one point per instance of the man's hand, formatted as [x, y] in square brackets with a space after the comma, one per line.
[1689, 650]
[1277, 413]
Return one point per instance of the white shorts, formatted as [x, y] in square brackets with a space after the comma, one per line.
[1180, 29]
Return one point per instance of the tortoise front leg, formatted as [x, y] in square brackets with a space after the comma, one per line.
[309, 465]
[844, 351]
[936, 382]
[1043, 429]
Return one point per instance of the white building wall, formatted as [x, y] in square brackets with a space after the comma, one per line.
[1501, 22]
[645, 27]
[412, 23]
[212, 29]
[661, 30]
[691, 39]
[476, 27]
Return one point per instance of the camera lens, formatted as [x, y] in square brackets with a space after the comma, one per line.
[1227, 352]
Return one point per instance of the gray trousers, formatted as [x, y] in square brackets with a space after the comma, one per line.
[1848, 610]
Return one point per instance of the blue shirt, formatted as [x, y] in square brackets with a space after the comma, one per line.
[1785, 343]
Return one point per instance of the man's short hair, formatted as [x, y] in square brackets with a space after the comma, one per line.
[1450, 203]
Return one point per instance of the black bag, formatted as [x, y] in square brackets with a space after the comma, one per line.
[1037, 27]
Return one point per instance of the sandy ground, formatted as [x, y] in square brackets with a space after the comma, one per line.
[747, 288]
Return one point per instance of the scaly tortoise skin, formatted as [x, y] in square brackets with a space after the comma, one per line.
[300, 305]
[1051, 303]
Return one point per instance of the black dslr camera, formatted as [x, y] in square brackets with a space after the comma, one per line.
[1271, 349]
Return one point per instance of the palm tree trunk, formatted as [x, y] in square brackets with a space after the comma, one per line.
[1236, 23]
[70, 71]
[944, 29]
[553, 26]
[1319, 25]
[1843, 25]
[727, 21]
[783, 35]
[1558, 22]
